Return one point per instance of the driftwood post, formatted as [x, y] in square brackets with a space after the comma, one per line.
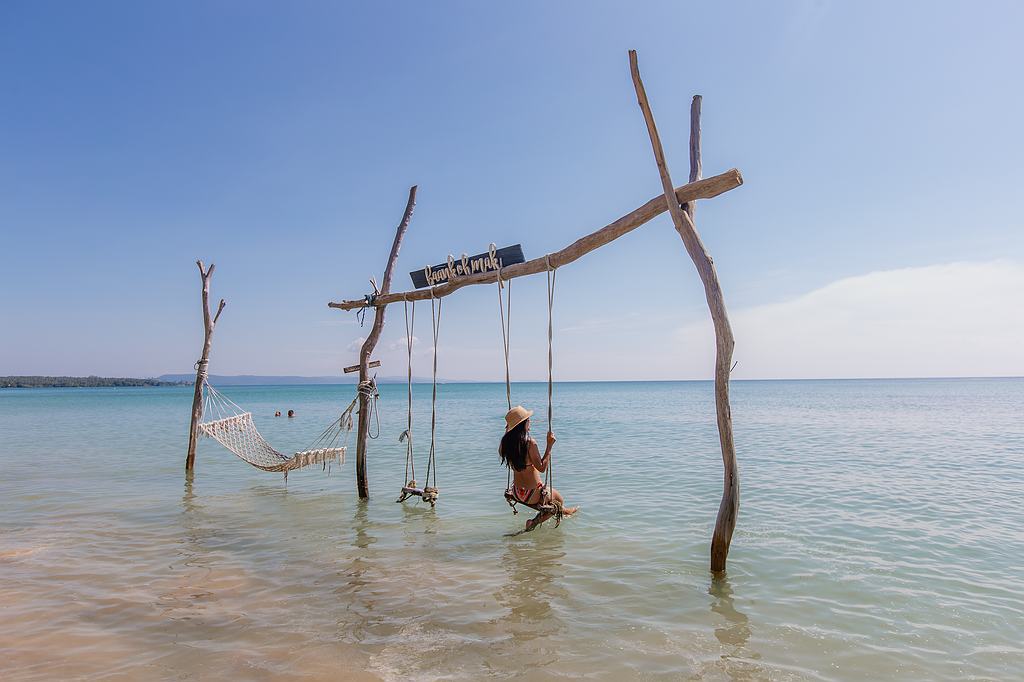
[370, 344]
[201, 366]
[724, 342]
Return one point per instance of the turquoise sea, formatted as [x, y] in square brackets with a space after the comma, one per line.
[880, 536]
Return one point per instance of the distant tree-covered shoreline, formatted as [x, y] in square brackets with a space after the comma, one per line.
[81, 382]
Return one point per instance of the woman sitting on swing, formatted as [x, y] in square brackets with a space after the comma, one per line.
[519, 452]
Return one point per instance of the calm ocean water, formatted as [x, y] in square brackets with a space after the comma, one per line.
[881, 536]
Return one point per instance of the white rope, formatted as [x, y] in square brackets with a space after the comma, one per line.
[410, 464]
[551, 272]
[431, 462]
[368, 388]
[506, 332]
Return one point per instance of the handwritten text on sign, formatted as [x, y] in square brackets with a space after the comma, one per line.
[491, 261]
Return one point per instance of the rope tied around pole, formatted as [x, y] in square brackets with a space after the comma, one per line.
[202, 367]
[369, 389]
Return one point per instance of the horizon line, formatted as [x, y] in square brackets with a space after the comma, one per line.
[422, 380]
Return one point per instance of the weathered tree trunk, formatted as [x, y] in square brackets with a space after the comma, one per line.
[201, 366]
[368, 346]
[724, 342]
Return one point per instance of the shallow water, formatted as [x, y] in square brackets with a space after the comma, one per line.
[881, 535]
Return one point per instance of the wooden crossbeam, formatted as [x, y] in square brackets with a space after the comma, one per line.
[701, 189]
[355, 368]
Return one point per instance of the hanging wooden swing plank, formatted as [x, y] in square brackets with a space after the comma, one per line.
[512, 502]
[429, 494]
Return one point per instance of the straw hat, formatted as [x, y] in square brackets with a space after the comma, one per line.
[516, 416]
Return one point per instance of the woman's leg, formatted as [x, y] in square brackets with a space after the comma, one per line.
[553, 497]
[539, 496]
[557, 497]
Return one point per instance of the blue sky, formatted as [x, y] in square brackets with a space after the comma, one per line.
[879, 232]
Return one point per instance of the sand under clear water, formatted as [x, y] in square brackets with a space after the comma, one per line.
[881, 536]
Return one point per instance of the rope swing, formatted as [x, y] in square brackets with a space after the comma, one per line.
[505, 311]
[547, 505]
[429, 491]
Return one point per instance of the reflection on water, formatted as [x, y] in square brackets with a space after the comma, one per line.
[733, 631]
[534, 568]
[361, 527]
[418, 519]
[357, 578]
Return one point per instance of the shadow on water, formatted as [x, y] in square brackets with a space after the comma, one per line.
[733, 633]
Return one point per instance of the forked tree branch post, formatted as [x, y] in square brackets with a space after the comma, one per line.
[209, 322]
[379, 309]
[682, 218]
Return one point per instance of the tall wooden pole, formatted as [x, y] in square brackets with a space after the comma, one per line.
[682, 218]
[368, 346]
[201, 366]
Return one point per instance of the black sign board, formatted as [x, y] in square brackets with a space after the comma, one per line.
[491, 261]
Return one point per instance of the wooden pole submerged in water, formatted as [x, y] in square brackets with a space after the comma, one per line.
[370, 343]
[203, 363]
[682, 218]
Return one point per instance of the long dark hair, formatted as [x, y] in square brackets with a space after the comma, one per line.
[515, 445]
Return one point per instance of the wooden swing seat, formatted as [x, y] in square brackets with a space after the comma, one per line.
[513, 501]
[430, 494]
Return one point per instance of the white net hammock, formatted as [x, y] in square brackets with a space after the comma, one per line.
[233, 427]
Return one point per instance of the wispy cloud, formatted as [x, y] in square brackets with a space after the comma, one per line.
[356, 344]
[958, 319]
[402, 344]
